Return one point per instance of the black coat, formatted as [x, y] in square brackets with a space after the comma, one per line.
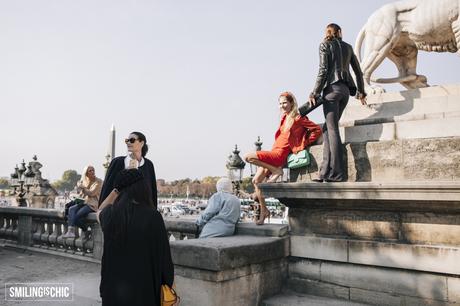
[117, 165]
[133, 272]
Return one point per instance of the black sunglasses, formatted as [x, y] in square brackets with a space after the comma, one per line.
[131, 140]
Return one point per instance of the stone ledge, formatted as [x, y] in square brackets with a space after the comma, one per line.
[392, 281]
[438, 259]
[410, 194]
[268, 230]
[35, 212]
[230, 274]
[218, 254]
[405, 104]
[242, 228]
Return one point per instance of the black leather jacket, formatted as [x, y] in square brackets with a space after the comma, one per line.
[335, 57]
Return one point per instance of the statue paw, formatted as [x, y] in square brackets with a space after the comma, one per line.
[419, 82]
[374, 90]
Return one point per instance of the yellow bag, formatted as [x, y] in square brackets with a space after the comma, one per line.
[168, 296]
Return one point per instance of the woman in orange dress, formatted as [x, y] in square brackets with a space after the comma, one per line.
[294, 134]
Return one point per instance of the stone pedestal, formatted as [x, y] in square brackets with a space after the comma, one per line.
[390, 235]
[412, 135]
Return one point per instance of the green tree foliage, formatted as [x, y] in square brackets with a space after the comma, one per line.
[197, 188]
[4, 184]
[68, 181]
[247, 185]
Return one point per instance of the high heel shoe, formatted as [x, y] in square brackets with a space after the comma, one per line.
[265, 214]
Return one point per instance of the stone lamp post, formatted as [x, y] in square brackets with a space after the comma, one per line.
[235, 166]
[19, 179]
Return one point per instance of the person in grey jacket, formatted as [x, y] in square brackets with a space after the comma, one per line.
[336, 84]
[221, 214]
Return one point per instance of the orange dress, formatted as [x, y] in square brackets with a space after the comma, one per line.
[302, 133]
[280, 150]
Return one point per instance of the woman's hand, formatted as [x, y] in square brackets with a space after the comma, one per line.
[312, 99]
[363, 100]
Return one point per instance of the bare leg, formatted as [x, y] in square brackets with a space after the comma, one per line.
[259, 178]
[253, 159]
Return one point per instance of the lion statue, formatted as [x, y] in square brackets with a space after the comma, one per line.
[398, 30]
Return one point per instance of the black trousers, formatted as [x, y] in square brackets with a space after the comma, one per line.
[335, 100]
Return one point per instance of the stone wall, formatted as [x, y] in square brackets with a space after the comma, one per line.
[378, 243]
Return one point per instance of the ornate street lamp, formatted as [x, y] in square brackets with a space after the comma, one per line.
[235, 166]
[258, 145]
[19, 179]
[108, 158]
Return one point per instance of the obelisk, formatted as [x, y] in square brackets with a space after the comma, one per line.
[112, 142]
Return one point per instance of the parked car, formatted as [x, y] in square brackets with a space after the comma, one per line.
[176, 211]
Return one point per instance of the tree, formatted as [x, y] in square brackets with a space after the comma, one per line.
[247, 185]
[204, 188]
[4, 184]
[68, 181]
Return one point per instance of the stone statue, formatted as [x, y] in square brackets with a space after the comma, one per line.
[36, 165]
[398, 30]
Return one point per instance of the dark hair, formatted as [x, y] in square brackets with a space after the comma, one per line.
[123, 209]
[141, 137]
[333, 31]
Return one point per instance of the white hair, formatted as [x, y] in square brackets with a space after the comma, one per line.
[225, 185]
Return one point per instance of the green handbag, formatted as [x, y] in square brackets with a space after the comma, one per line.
[298, 160]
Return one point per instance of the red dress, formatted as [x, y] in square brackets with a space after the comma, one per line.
[302, 133]
[278, 155]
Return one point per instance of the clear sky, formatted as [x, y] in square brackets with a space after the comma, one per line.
[197, 77]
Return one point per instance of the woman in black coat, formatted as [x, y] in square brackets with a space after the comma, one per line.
[137, 149]
[137, 258]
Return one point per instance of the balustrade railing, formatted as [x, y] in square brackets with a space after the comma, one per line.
[43, 230]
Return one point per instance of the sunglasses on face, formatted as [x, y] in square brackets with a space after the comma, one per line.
[130, 140]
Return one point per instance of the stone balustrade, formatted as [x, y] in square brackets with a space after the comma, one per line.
[239, 270]
[42, 230]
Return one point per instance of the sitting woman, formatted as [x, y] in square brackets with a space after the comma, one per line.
[294, 134]
[221, 214]
[89, 188]
[136, 259]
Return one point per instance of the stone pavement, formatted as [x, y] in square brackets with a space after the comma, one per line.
[18, 266]
[297, 299]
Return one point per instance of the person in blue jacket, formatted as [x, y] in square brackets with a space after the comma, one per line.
[221, 214]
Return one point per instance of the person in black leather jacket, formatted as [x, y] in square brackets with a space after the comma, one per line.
[336, 84]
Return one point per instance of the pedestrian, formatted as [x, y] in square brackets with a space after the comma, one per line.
[136, 260]
[89, 188]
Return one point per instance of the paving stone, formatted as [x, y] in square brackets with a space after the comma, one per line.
[297, 299]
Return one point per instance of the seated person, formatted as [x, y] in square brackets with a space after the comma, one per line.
[89, 188]
[221, 214]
